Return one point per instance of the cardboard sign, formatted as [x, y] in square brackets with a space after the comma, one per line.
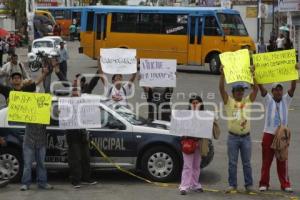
[191, 123]
[29, 107]
[158, 73]
[275, 67]
[118, 61]
[79, 113]
[237, 66]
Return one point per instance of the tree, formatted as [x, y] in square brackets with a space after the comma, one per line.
[18, 11]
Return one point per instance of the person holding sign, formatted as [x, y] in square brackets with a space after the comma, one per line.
[117, 92]
[239, 140]
[192, 159]
[277, 110]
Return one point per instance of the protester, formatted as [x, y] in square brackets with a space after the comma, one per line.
[280, 42]
[262, 48]
[159, 103]
[117, 92]
[191, 162]
[12, 66]
[63, 58]
[35, 141]
[276, 115]
[239, 140]
[3, 182]
[79, 153]
[11, 40]
[2, 50]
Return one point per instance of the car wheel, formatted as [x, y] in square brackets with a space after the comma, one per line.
[207, 159]
[214, 64]
[35, 66]
[10, 164]
[160, 164]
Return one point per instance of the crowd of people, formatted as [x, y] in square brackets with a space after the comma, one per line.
[237, 106]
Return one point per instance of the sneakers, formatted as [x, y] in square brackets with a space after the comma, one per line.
[288, 190]
[89, 182]
[24, 188]
[231, 189]
[249, 189]
[263, 188]
[46, 187]
[183, 192]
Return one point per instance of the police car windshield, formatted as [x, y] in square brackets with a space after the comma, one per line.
[129, 115]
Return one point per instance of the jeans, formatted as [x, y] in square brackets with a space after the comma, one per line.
[63, 68]
[47, 83]
[236, 144]
[191, 171]
[78, 156]
[31, 154]
[267, 158]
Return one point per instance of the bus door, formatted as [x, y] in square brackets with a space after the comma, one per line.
[195, 40]
[88, 34]
[100, 35]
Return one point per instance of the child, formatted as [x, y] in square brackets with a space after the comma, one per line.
[191, 162]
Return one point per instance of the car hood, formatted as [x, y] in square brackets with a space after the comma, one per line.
[46, 50]
[157, 126]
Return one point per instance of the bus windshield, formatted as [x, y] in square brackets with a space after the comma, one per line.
[232, 24]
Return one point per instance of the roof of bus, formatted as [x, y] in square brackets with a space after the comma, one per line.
[158, 9]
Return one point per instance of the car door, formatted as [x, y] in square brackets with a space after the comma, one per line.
[115, 139]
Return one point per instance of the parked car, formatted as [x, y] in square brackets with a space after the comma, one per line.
[57, 40]
[130, 141]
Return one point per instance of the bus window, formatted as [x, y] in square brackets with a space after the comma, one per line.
[232, 24]
[98, 27]
[124, 22]
[58, 14]
[200, 24]
[211, 26]
[90, 21]
[175, 24]
[67, 14]
[150, 23]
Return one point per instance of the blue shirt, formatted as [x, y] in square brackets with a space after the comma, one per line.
[63, 55]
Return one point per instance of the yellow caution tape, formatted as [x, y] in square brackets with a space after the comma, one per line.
[175, 185]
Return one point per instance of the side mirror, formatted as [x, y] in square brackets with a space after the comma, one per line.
[114, 124]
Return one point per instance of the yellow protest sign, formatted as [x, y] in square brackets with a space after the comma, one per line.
[29, 107]
[237, 66]
[278, 66]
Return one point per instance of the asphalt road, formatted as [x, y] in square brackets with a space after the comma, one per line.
[115, 185]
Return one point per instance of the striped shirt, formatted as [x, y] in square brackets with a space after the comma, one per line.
[276, 112]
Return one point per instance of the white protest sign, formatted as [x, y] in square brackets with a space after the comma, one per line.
[79, 113]
[158, 73]
[192, 123]
[118, 61]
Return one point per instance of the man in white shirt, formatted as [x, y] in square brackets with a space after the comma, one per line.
[63, 58]
[277, 108]
[13, 66]
[117, 92]
[280, 42]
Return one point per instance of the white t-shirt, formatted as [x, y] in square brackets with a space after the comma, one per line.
[276, 113]
[123, 93]
[280, 42]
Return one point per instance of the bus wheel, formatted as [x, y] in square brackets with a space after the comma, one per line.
[214, 64]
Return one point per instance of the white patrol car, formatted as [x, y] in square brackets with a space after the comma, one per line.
[130, 141]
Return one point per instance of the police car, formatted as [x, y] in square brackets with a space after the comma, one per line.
[129, 140]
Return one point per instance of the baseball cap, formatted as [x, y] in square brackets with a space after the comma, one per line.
[240, 85]
[275, 85]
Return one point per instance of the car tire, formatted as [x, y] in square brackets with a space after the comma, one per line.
[11, 164]
[214, 64]
[205, 161]
[160, 164]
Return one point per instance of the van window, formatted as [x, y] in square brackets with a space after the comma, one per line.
[211, 26]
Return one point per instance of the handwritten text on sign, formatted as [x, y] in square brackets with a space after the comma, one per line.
[237, 66]
[29, 107]
[79, 113]
[118, 61]
[158, 73]
[276, 66]
[191, 123]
